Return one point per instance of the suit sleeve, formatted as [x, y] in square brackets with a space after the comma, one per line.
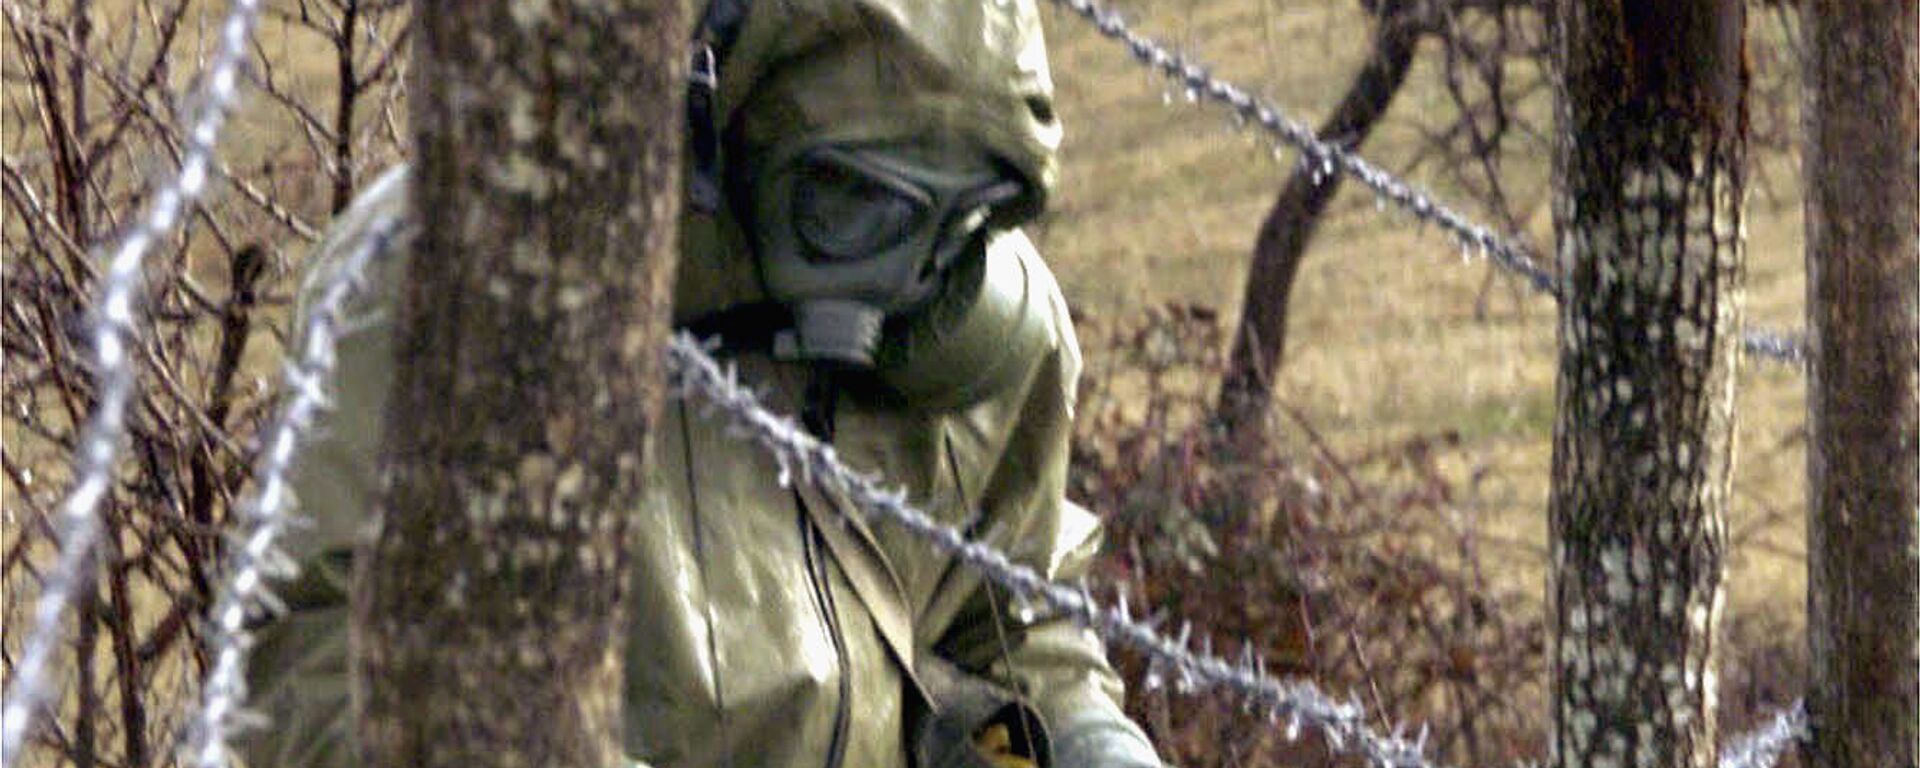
[298, 672]
[1059, 667]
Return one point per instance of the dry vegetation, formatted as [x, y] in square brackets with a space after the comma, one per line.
[93, 118]
[1415, 403]
[1390, 542]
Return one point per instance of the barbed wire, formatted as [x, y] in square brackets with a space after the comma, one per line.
[1763, 747]
[1324, 159]
[253, 553]
[112, 324]
[694, 376]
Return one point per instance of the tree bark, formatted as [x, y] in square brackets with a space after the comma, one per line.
[1862, 171]
[1259, 342]
[1651, 105]
[487, 627]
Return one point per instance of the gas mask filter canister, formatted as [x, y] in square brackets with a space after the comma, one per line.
[848, 235]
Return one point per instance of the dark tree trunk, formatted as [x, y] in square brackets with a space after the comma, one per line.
[1651, 140]
[487, 626]
[1246, 390]
[1862, 170]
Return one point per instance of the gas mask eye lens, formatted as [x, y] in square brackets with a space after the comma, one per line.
[848, 234]
[842, 214]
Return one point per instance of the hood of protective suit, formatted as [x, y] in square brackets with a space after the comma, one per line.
[769, 626]
[947, 73]
[896, 69]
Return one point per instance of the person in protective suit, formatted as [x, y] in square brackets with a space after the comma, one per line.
[857, 170]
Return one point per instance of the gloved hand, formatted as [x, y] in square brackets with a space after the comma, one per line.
[978, 725]
[995, 743]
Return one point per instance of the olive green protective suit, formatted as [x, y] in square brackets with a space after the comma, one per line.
[765, 631]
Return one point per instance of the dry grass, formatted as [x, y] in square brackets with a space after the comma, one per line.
[1161, 203]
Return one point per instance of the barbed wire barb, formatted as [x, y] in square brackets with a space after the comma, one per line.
[255, 558]
[112, 325]
[255, 554]
[1324, 159]
[1763, 747]
[695, 376]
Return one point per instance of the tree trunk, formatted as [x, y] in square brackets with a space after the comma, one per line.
[1246, 389]
[1862, 171]
[487, 627]
[1651, 103]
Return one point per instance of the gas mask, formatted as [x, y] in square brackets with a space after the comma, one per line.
[849, 235]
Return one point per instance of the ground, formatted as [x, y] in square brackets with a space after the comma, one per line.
[1161, 199]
